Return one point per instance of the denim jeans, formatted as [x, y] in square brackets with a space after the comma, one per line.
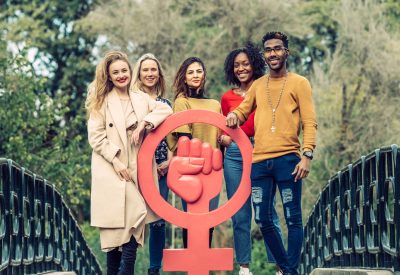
[122, 263]
[266, 176]
[241, 221]
[157, 231]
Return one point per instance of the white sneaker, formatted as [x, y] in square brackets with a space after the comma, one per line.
[244, 271]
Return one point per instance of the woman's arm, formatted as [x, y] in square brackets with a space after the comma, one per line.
[158, 111]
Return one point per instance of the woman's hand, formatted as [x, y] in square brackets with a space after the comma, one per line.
[138, 133]
[225, 140]
[162, 168]
[121, 169]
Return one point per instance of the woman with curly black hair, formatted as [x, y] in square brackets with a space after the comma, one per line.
[242, 67]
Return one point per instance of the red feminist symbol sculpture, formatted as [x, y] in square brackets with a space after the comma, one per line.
[195, 174]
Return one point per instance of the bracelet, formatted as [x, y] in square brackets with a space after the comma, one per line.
[148, 125]
[233, 113]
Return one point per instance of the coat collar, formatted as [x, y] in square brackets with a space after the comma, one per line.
[115, 107]
[138, 104]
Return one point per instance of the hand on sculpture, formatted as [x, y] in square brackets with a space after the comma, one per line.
[195, 173]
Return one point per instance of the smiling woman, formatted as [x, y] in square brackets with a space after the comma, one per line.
[120, 76]
[190, 95]
[117, 121]
[148, 76]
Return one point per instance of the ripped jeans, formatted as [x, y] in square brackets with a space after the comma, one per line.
[266, 176]
[241, 221]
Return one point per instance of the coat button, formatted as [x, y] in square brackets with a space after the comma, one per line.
[111, 125]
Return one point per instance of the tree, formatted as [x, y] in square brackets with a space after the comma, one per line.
[31, 133]
[175, 29]
[356, 88]
[57, 58]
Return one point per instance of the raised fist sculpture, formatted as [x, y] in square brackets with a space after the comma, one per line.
[195, 173]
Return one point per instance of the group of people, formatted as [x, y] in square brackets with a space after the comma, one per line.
[124, 104]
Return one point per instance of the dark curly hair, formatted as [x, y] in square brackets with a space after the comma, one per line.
[277, 35]
[180, 87]
[256, 59]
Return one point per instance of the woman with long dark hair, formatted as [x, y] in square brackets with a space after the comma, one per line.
[190, 94]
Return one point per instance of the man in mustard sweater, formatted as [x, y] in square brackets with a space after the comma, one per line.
[284, 107]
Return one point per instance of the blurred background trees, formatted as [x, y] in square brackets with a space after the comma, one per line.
[48, 51]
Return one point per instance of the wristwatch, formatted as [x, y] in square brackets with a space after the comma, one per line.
[308, 154]
[148, 125]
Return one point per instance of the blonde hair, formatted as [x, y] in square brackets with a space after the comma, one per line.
[102, 85]
[137, 84]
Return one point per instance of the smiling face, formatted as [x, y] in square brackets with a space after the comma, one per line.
[119, 74]
[149, 73]
[275, 54]
[194, 76]
[242, 68]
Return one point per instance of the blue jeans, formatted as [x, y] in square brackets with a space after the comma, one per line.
[266, 176]
[157, 231]
[241, 221]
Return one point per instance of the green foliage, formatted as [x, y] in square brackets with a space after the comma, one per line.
[62, 48]
[207, 29]
[260, 264]
[91, 235]
[45, 80]
[33, 131]
[392, 12]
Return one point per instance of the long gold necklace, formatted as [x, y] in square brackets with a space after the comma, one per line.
[273, 127]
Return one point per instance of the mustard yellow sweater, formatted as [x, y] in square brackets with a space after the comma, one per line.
[204, 132]
[295, 112]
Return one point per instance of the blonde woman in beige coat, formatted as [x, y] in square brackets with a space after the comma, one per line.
[118, 121]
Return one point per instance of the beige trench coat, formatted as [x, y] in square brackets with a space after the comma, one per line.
[107, 136]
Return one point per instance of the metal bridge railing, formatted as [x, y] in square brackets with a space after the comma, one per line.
[37, 230]
[356, 220]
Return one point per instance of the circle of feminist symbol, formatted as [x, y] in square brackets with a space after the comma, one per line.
[195, 174]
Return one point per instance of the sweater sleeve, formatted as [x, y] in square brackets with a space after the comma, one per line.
[308, 116]
[247, 106]
[182, 104]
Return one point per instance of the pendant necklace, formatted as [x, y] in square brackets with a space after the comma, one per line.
[240, 92]
[273, 127]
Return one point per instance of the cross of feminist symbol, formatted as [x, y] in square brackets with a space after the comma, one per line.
[195, 174]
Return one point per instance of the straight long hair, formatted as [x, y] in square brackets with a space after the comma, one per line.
[180, 86]
[137, 84]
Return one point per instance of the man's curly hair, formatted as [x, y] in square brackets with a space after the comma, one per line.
[276, 35]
